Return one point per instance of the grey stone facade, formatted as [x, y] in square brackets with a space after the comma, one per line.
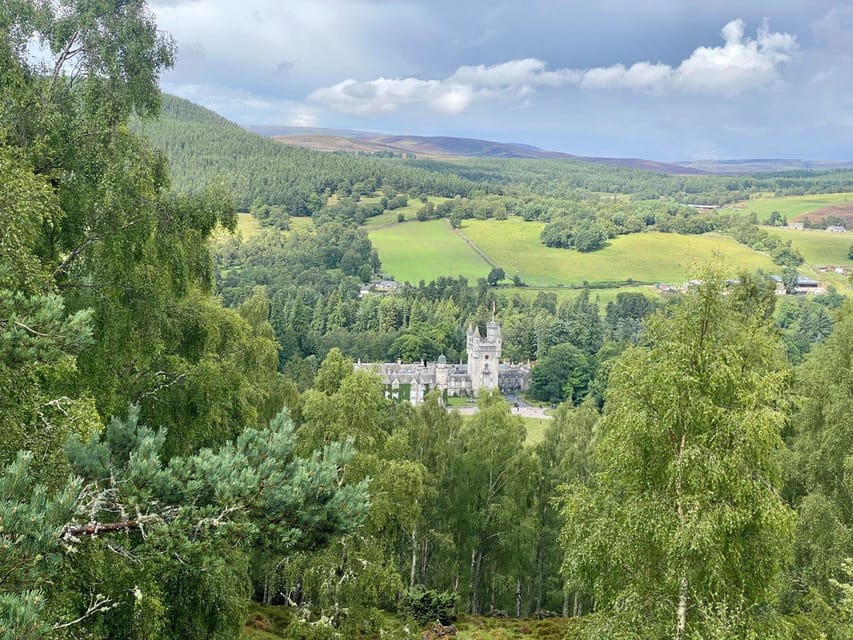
[484, 370]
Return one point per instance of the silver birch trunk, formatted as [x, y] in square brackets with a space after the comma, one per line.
[414, 557]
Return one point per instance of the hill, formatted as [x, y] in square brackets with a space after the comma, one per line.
[763, 165]
[438, 147]
[204, 148]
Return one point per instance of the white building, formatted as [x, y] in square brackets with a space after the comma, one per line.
[484, 370]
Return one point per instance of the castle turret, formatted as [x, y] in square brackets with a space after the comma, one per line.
[441, 372]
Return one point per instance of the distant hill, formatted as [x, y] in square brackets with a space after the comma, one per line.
[764, 165]
[443, 147]
[203, 149]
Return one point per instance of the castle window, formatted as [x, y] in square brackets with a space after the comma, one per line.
[487, 357]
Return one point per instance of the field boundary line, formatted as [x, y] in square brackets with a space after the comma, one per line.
[476, 249]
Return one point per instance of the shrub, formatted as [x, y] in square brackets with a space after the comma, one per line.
[428, 605]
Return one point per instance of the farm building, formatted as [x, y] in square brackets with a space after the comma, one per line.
[836, 228]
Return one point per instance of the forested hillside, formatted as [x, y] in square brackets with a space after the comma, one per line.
[204, 148]
[186, 450]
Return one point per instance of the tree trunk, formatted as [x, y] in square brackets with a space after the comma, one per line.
[681, 625]
[681, 616]
[414, 557]
[577, 609]
[565, 603]
[473, 586]
[518, 597]
[477, 562]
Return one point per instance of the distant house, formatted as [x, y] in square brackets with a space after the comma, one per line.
[795, 226]
[703, 207]
[386, 286]
[836, 228]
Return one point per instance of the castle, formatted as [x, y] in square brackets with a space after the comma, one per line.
[484, 370]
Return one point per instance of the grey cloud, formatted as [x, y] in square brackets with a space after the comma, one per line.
[834, 30]
[740, 64]
[284, 67]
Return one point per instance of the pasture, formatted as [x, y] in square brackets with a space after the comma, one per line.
[649, 257]
[416, 251]
[390, 217]
[788, 206]
[818, 247]
[564, 294]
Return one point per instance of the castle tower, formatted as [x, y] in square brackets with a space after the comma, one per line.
[441, 373]
[484, 354]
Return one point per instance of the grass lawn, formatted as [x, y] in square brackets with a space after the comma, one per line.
[416, 251]
[652, 257]
[535, 430]
[819, 247]
[788, 206]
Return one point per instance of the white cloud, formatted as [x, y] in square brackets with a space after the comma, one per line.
[302, 117]
[740, 64]
[640, 75]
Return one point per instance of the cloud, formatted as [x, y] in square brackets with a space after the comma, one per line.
[302, 117]
[834, 30]
[739, 65]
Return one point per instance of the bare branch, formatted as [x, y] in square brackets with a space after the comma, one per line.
[97, 604]
[153, 392]
[66, 54]
[71, 257]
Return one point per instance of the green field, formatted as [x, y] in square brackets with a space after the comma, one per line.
[416, 251]
[649, 257]
[789, 206]
[819, 247]
[563, 294]
[390, 217]
[247, 227]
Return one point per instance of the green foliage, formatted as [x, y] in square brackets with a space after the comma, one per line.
[759, 239]
[428, 605]
[564, 373]
[685, 505]
[495, 275]
[32, 520]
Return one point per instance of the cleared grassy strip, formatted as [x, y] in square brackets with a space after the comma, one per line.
[818, 247]
[603, 295]
[651, 257]
[416, 251]
[788, 206]
[247, 227]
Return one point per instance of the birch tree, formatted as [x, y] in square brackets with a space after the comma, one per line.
[683, 529]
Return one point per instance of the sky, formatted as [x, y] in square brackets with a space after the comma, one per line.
[662, 79]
